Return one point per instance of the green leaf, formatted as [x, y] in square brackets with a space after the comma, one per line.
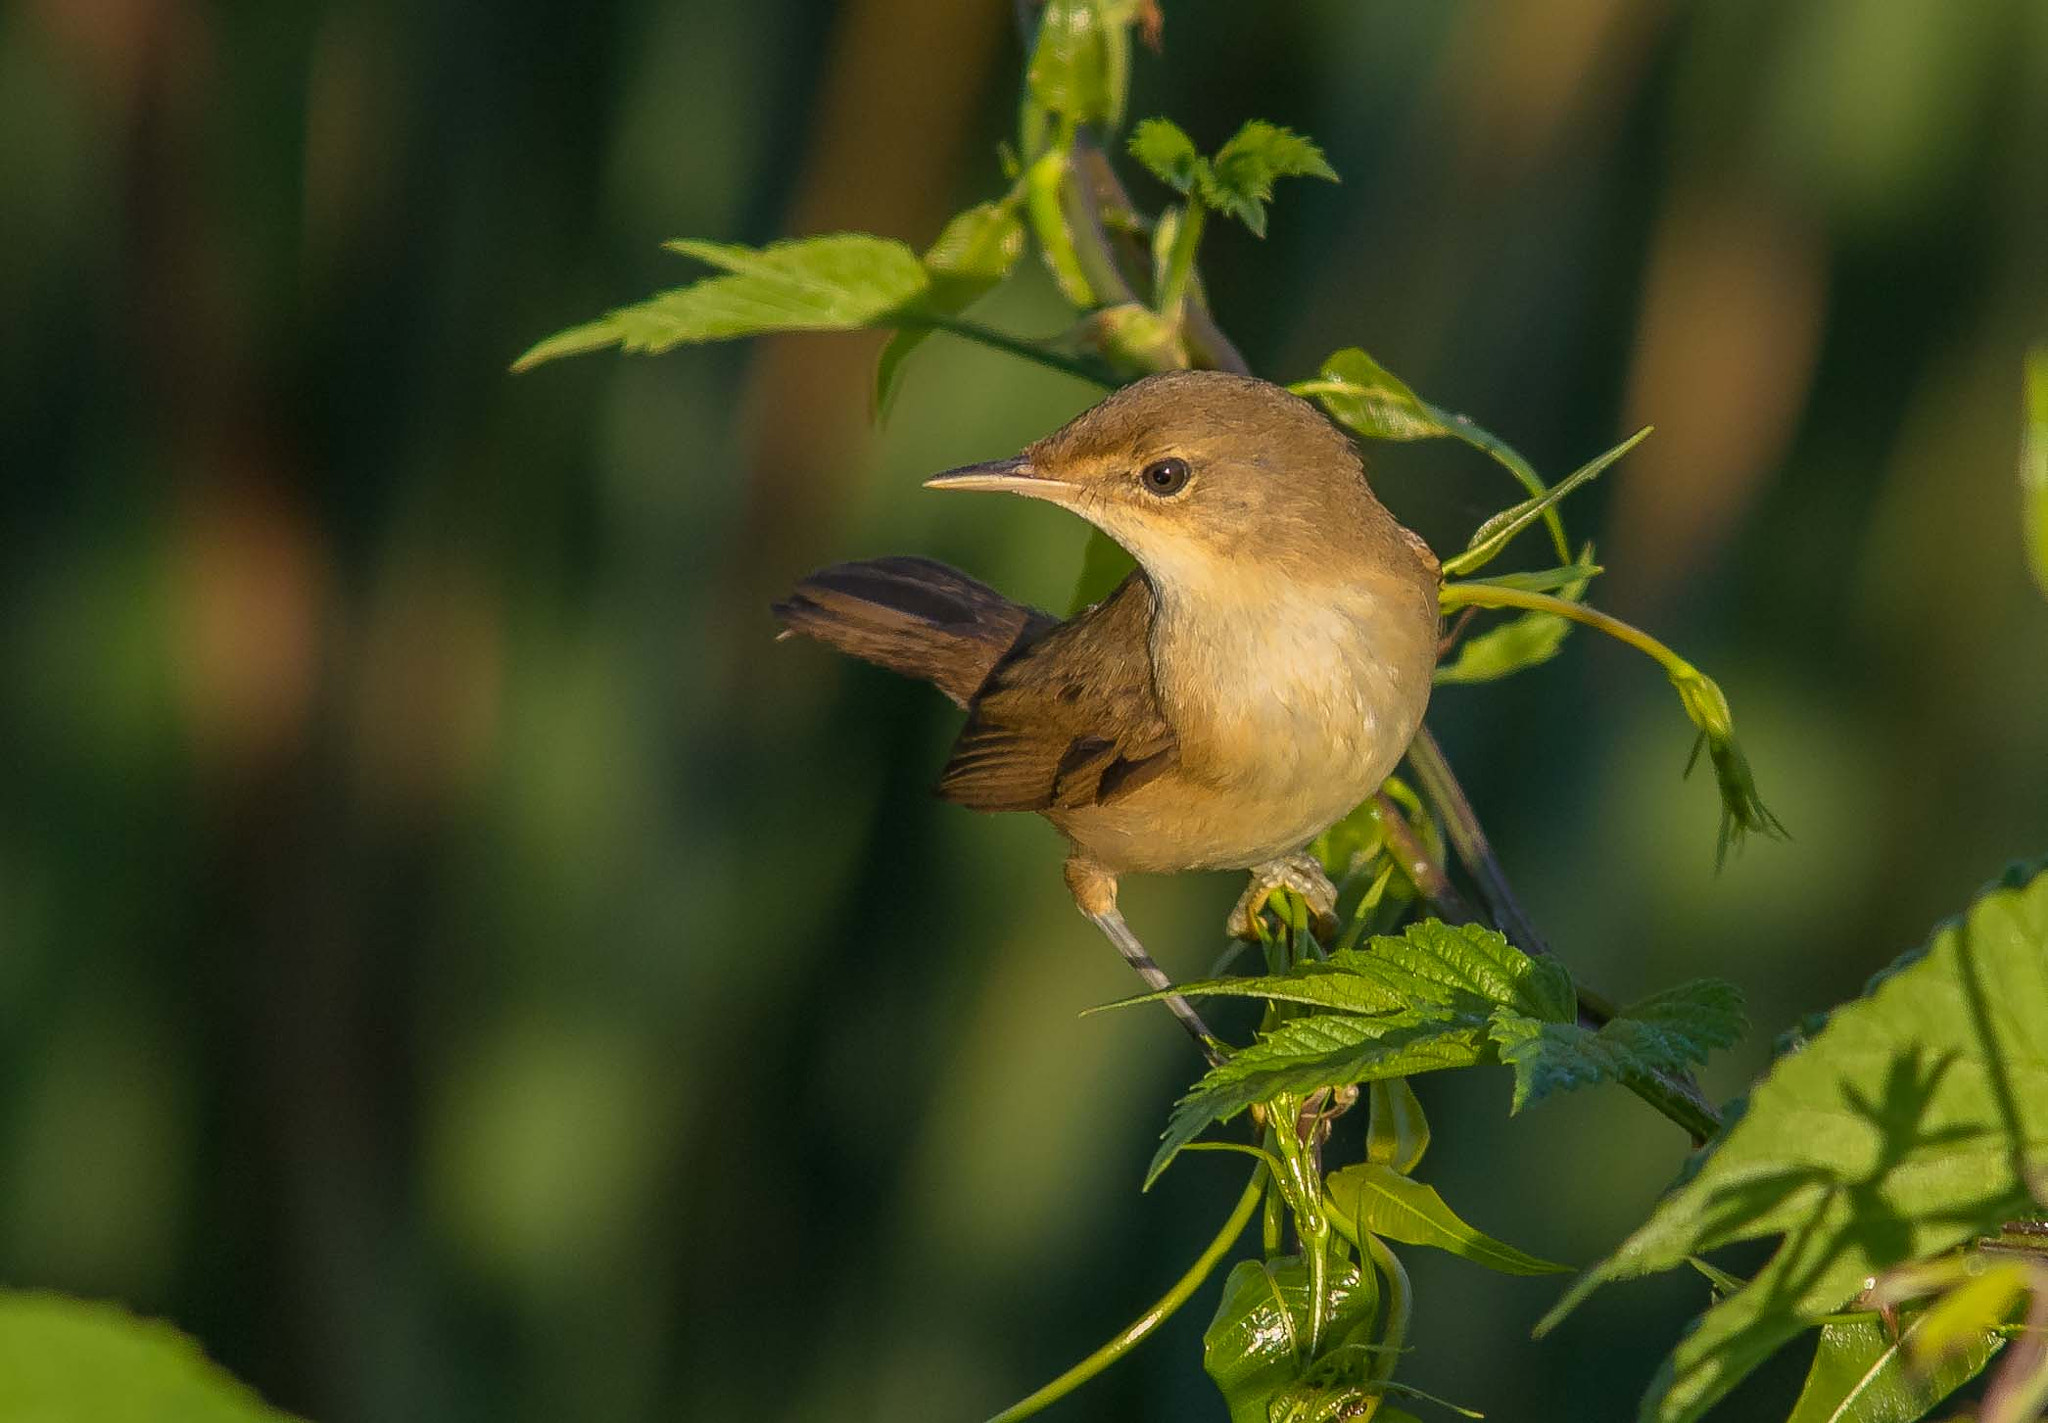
[1241, 175]
[1257, 1344]
[974, 252]
[1365, 397]
[1953, 1324]
[1081, 66]
[1670, 1033]
[1396, 1131]
[2034, 468]
[1545, 580]
[1862, 1375]
[1166, 150]
[1526, 640]
[1326, 1050]
[1913, 1120]
[1499, 531]
[1397, 1207]
[839, 283]
[1352, 842]
[72, 1361]
[1415, 1002]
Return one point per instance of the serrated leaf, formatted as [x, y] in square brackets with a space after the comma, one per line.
[844, 282]
[1912, 1121]
[1860, 1374]
[1499, 531]
[1170, 155]
[1326, 1050]
[1081, 66]
[1524, 641]
[2034, 468]
[1372, 401]
[1397, 1207]
[1318, 985]
[1257, 1344]
[1412, 1002]
[1241, 175]
[72, 1361]
[1668, 1033]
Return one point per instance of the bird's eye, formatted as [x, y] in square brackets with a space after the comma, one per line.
[1164, 477]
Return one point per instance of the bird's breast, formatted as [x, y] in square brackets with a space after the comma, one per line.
[1293, 707]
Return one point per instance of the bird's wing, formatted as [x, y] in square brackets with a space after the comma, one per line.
[1069, 721]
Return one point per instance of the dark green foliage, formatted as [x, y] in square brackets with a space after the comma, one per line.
[1439, 996]
[1914, 1120]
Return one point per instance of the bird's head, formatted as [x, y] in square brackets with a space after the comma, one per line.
[1203, 476]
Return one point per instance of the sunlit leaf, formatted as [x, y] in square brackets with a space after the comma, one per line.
[1914, 1120]
[1412, 1002]
[1499, 531]
[1326, 1050]
[974, 252]
[1081, 66]
[1170, 155]
[1258, 1343]
[1860, 1374]
[1365, 397]
[1396, 1131]
[1953, 1323]
[1668, 1033]
[71, 1361]
[839, 283]
[1357, 837]
[1242, 174]
[1397, 1207]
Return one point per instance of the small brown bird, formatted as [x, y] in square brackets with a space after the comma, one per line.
[1254, 680]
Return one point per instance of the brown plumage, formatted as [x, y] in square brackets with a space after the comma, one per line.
[1255, 679]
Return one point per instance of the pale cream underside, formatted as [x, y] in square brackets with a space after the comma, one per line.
[1291, 704]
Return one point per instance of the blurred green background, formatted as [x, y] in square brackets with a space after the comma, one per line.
[456, 964]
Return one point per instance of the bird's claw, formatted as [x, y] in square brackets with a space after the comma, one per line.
[1301, 873]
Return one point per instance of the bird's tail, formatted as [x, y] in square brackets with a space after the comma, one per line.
[913, 616]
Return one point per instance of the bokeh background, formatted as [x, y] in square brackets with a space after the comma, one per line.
[457, 965]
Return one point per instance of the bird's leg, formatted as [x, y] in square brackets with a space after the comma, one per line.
[1094, 891]
[1300, 872]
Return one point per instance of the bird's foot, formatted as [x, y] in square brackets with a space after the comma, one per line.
[1303, 874]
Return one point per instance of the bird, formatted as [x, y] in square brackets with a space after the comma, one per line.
[1253, 680]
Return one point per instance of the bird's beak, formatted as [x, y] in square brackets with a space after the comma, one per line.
[1014, 476]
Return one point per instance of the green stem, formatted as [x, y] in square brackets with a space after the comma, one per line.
[1043, 181]
[1180, 260]
[1476, 594]
[1240, 1216]
[995, 340]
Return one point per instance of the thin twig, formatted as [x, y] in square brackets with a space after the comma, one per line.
[1468, 837]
